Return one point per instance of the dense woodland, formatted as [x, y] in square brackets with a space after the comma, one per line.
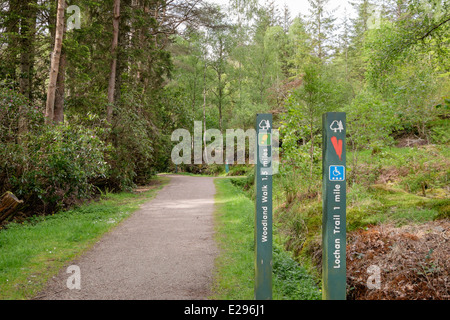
[90, 91]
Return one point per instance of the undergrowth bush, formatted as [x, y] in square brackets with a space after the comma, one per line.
[293, 280]
[48, 167]
[134, 138]
[14, 108]
[55, 167]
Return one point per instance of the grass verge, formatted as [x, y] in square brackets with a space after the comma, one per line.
[31, 252]
[234, 278]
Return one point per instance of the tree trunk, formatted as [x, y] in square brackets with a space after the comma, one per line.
[319, 36]
[58, 115]
[125, 40]
[220, 102]
[112, 75]
[8, 204]
[26, 47]
[54, 70]
[12, 31]
[27, 31]
[311, 151]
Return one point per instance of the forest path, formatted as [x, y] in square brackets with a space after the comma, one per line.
[163, 251]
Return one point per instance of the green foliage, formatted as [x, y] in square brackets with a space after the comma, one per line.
[55, 167]
[422, 29]
[47, 166]
[294, 281]
[300, 129]
[51, 167]
[215, 169]
[405, 62]
[239, 170]
[133, 156]
[294, 134]
[299, 43]
[440, 131]
[370, 121]
[15, 108]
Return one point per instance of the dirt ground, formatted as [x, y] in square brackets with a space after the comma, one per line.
[413, 262]
[164, 251]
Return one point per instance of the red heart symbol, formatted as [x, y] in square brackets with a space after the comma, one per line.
[337, 146]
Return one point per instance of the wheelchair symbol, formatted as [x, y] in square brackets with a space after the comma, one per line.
[337, 173]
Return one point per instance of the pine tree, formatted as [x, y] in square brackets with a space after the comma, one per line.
[321, 27]
[286, 18]
[300, 44]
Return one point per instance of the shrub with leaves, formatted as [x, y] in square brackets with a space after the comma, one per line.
[46, 166]
[133, 137]
[56, 167]
[15, 112]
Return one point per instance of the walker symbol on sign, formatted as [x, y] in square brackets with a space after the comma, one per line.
[337, 125]
[264, 139]
[337, 173]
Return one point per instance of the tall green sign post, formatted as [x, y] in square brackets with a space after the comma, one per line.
[263, 215]
[334, 206]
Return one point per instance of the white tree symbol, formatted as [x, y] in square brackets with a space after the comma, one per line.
[264, 124]
[337, 125]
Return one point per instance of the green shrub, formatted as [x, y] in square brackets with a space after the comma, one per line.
[215, 169]
[292, 280]
[289, 181]
[440, 132]
[134, 139]
[14, 108]
[239, 170]
[55, 167]
[46, 166]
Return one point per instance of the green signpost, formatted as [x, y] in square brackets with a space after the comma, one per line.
[263, 215]
[334, 207]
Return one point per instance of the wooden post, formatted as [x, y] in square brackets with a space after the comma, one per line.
[334, 207]
[263, 214]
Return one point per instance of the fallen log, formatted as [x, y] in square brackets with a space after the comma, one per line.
[8, 204]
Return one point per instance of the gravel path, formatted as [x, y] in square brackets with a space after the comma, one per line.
[163, 251]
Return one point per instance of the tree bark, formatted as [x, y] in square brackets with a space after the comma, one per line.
[12, 30]
[54, 69]
[58, 116]
[112, 75]
[28, 14]
[27, 32]
[220, 102]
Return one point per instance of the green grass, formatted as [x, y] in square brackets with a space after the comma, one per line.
[234, 236]
[234, 278]
[30, 253]
[399, 201]
[301, 222]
